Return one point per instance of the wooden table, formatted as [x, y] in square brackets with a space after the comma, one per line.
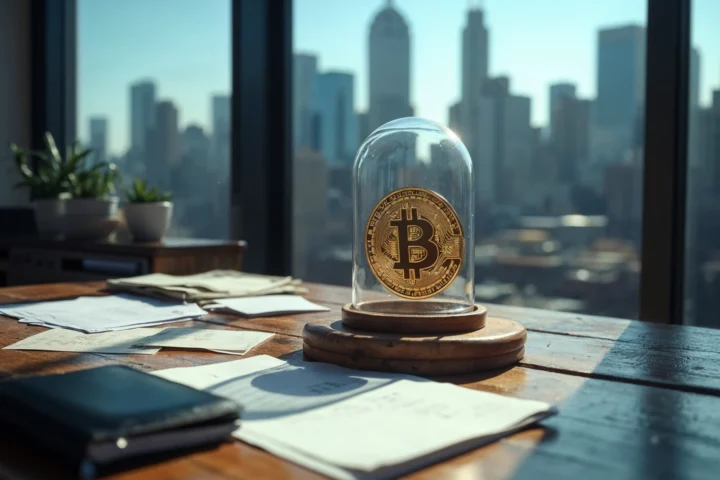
[637, 400]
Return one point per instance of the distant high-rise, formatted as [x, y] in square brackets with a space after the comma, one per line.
[475, 55]
[363, 127]
[557, 92]
[569, 137]
[195, 144]
[618, 114]
[220, 135]
[304, 71]
[504, 142]
[389, 68]
[98, 135]
[142, 113]
[310, 183]
[163, 144]
[694, 111]
[467, 116]
[336, 123]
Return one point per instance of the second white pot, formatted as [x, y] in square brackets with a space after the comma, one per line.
[148, 222]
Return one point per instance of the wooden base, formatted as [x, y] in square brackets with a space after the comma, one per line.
[420, 323]
[499, 344]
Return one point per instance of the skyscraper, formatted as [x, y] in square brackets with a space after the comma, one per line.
[336, 123]
[163, 145]
[389, 68]
[310, 183]
[569, 130]
[98, 134]
[304, 71]
[195, 144]
[142, 113]
[620, 92]
[470, 114]
[475, 55]
[503, 143]
[557, 92]
[220, 135]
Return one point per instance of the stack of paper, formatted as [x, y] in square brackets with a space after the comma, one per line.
[349, 424]
[265, 305]
[143, 340]
[102, 314]
[206, 286]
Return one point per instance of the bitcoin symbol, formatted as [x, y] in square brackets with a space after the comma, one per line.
[414, 243]
[416, 252]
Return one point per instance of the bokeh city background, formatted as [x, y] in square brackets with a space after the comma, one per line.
[558, 162]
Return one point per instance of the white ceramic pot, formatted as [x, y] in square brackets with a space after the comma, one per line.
[49, 215]
[90, 218]
[148, 222]
[92, 207]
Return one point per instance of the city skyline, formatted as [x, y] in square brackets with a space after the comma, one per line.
[189, 75]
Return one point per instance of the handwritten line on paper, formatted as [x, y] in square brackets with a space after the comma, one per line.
[235, 341]
[61, 340]
[283, 401]
[267, 305]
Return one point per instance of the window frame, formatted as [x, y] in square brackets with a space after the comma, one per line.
[261, 156]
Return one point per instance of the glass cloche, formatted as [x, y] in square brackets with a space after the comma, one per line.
[413, 250]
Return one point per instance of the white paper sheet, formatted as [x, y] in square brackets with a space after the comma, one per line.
[60, 340]
[350, 424]
[235, 341]
[266, 305]
[102, 314]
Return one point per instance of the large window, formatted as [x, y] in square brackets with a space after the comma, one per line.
[702, 257]
[153, 96]
[548, 97]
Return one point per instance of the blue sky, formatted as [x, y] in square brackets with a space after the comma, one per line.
[185, 46]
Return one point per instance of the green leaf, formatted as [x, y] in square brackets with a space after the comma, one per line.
[52, 148]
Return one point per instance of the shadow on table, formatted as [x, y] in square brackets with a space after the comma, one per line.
[626, 423]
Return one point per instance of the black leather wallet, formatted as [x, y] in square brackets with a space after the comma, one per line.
[109, 414]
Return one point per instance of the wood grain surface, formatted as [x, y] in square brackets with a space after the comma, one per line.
[637, 400]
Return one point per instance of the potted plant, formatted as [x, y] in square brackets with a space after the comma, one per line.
[148, 212]
[48, 178]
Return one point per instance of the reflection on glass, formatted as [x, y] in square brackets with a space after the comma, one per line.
[702, 255]
[548, 101]
[153, 83]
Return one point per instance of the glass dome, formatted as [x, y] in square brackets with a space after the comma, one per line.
[413, 250]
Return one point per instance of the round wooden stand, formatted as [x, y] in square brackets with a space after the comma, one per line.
[413, 323]
[500, 343]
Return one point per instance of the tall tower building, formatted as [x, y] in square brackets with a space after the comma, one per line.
[502, 142]
[620, 92]
[220, 135]
[475, 55]
[335, 120]
[304, 72]
[469, 115]
[558, 91]
[142, 113]
[98, 134]
[164, 144]
[389, 68]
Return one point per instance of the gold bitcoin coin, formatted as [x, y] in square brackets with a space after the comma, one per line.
[414, 243]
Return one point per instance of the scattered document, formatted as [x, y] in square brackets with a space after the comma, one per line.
[102, 314]
[234, 341]
[350, 424]
[60, 340]
[206, 286]
[265, 305]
